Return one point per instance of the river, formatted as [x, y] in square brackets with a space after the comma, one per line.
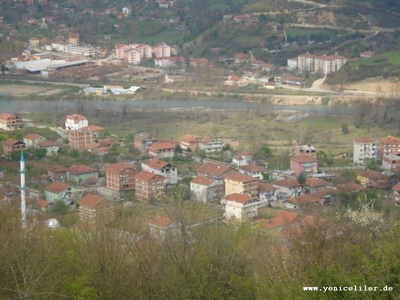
[26, 106]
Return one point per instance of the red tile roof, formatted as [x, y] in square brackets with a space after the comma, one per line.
[371, 174]
[90, 200]
[324, 192]
[81, 169]
[188, 138]
[6, 116]
[31, 136]
[352, 187]
[396, 187]
[304, 199]
[93, 128]
[42, 203]
[364, 140]
[240, 177]
[315, 182]
[165, 145]
[390, 140]
[57, 169]
[144, 175]
[155, 163]
[76, 118]
[213, 169]
[57, 187]
[281, 219]
[201, 180]
[47, 144]
[263, 187]
[160, 221]
[239, 198]
[120, 167]
[288, 182]
[252, 168]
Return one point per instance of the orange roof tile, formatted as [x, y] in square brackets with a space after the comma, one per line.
[281, 219]
[253, 168]
[371, 174]
[390, 140]
[396, 187]
[57, 169]
[288, 182]
[42, 203]
[155, 163]
[31, 136]
[188, 138]
[76, 118]
[160, 221]
[315, 182]
[263, 187]
[364, 140]
[47, 144]
[6, 116]
[165, 145]
[90, 200]
[239, 198]
[118, 168]
[201, 180]
[81, 169]
[11, 142]
[57, 187]
[240, 177]
[213, 169]
[352, 187]
[144, 175]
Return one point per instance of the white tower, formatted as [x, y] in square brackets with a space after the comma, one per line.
[22, 171]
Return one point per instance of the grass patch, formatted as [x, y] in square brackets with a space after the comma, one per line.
[389, 57]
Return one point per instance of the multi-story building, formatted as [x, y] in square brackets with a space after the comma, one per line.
[145, 51]
[57, 173]
[97, 148]
[239, 206]
[210, 169]
[364, 148]
[207, 190]
[253, 171]
[120, 51]
[293, 63]
[148, 185]
[143, 141]
[211, 144]
[306, 62]
[242, 184]
[10, 145]
[162, 50]
[304, 164]
[73, 38]
[80, 139]
[162, 168]
[390, 145]
[307, 150]
[80, 50]
[266, 193]
[121, 176]
[162, 150]
[132, 56]
[189, 141]
[9, 121]
[329, 64]
[287, 187]
[75, 122]
[95, 209]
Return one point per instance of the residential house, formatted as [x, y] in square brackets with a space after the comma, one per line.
[97, 148]
[352, 187]
[243, 158]
[242, 184]
[304, 164]
[189, 141]
[292, 80]
[121, 176]
[364, 148]
[206, 189]
[162, 50]
[268, 68]
[81, 173]
[80, 139]
[306, 150]
[241, 59]
[57, 173]
[253, 171]
[143, 141]
[396, 194]
[325, 195]
[267, 193]
[149, 186]
[367, 54]
[293, 63]
[34, 42]
[232, 80]
[9, 121]
[73, 38]
[301, 201]
[240, 206]
[162, 227]
[256, 64]
[211, 144]
[210, 169]
[162, 168]
[280, 220]
[75, 122]
[95, 209]
[313, 185]
[32, 140]
[10, 145]
[371, 178]
[57, 191]
[177, 63]
[287, 188]
[162, 150]
[44, 205]
[51, 147]
[240, 18]
[390, 152]
[199, 62]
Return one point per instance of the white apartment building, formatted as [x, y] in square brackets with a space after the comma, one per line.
[75, 122]
[162, 50]
[162, 168]
[364, 148]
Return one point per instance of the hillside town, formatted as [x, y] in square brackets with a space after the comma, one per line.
[237, 190]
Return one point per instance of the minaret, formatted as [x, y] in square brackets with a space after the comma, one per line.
[22, 171]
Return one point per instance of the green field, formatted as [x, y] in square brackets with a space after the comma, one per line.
[384, 58]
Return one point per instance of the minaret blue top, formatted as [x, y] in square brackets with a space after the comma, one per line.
[22, 156]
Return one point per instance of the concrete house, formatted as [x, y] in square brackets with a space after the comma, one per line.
[162, 150]
[57, 173]
[121, 176]
[211, 144]
[10, 145]
[364, 148]
[95, 209]
[79, 174]
[267, 193]
[313, 185]
[57, 191]
[287, 188]
[9, 121]
[210, 169]
[371, 178]
[143, 141]
[162, 168]
[75, 122]
[206, 189]
[304, 164]
[242, 184]
[253, 171]
[301, 201]
[51, 147]
[239, 206]
[149, 185]
[32, 140]
[189, 141]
